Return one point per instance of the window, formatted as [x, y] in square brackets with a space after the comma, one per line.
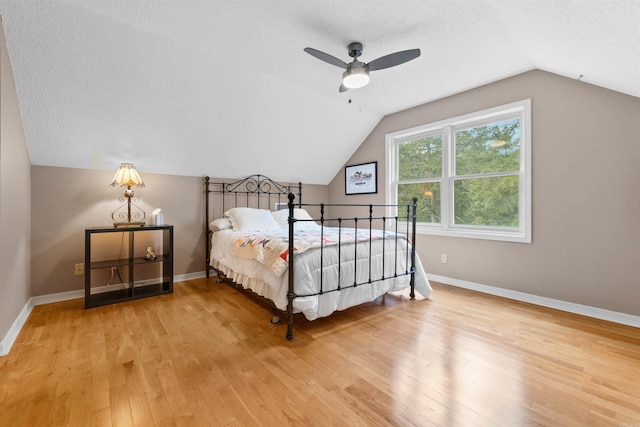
[470, 174]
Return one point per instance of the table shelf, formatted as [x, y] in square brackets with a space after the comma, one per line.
[130, 272]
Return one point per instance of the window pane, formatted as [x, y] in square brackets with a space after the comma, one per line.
[486, 201]
[420, 158]
[490, 148]
[428, 194]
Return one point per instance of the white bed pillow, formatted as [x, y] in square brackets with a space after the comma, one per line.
[220, 224]
[282, 217]
[243, 219]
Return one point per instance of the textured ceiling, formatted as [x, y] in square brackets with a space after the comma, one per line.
[224, 88]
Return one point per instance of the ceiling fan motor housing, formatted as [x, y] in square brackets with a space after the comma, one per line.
[355, 49]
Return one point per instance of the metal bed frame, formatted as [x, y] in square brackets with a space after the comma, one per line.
[256, 190]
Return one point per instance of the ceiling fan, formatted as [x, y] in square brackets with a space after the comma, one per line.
[357, 73]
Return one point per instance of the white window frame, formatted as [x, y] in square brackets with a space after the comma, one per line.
[519, 109]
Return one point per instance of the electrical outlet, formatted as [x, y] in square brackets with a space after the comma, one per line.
[79, 269]
[443, 258]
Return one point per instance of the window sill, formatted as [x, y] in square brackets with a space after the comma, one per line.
[504, 236]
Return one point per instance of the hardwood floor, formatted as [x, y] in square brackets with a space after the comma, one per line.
[207, 355]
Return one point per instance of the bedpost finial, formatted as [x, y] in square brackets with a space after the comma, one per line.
[291, 196]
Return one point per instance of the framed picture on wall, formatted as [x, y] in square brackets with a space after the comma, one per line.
[361, 179]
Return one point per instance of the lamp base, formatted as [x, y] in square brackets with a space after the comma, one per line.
[129, 224]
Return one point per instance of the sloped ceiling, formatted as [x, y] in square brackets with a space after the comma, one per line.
[223, 88]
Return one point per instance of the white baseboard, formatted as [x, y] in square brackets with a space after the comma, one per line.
[17, 325]
[585, 310]
[9, 339]
[61, 296]
[189, 276]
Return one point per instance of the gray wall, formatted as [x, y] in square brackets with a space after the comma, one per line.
[66, 200]
[15, 238]
[586, 209]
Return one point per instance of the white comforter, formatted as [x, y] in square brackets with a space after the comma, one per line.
[253, 269]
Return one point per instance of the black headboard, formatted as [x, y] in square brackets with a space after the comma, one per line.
[255, 191]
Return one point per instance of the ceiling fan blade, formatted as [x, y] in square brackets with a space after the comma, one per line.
[393, 59]
[343, 88]
[326, 57]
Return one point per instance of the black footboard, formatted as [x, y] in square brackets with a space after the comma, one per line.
[403, 216]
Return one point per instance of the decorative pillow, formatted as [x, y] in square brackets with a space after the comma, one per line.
[282, 217]
[220, 224]
[243, 219]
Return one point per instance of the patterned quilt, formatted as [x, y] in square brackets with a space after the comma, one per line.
[272, 248]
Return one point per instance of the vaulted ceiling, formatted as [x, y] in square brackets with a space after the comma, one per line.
[223, 87]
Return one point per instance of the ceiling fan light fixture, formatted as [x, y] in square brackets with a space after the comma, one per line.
[355, 77]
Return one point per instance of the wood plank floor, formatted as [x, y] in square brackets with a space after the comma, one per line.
[207, 355]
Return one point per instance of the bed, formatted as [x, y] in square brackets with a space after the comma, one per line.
[262, 237]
